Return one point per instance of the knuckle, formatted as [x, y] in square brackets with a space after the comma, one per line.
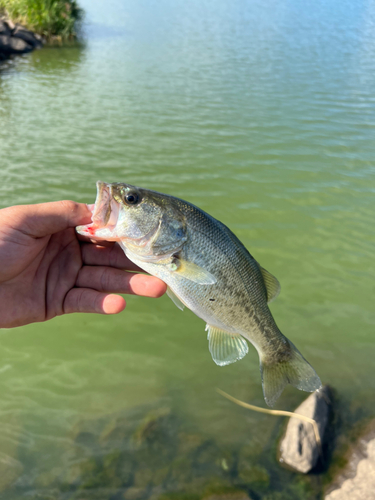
[105, 279]
[113, 256]
[98, 301]
[81, 277]
[80, 301]
[69, 205]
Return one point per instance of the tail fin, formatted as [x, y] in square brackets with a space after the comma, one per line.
[294, 370]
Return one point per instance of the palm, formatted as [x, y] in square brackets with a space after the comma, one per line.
[41, 273]
[46, 276]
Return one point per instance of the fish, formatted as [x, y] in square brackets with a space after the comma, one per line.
[208, 270]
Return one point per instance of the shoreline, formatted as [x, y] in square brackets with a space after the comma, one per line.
[15, 39]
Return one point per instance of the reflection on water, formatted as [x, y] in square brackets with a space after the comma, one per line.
[54, 61]
[262, 114]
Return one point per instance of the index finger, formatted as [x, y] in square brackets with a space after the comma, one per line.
[113, 256]
[44, 219]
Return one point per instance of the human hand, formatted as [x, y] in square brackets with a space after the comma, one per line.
[46, 271]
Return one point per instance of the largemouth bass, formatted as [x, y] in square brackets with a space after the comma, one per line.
[208, 270]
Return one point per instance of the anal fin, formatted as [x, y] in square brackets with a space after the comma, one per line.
[225, 347]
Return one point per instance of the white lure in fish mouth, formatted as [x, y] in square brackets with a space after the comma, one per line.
[105, 214]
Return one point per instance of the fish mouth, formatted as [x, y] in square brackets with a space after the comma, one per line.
[105, 212]
[106, 209]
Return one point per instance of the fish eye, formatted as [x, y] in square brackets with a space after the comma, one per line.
[131, 198]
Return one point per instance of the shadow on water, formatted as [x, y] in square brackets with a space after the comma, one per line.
[55, 59]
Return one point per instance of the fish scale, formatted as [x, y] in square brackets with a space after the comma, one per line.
[208, 270]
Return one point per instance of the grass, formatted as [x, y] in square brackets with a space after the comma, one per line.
[52, 19]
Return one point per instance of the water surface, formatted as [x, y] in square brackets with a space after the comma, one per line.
[262, 114]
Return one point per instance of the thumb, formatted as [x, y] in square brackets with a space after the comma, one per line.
[44, 219]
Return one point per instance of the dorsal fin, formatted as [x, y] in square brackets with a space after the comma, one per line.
[272, 285]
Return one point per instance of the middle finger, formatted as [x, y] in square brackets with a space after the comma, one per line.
[109, 279]
[96, 255]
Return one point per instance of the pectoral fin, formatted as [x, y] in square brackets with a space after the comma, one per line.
[272, 285]
[225, 348]
[191, 271]
[177, 302]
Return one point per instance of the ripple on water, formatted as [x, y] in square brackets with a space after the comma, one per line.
[262, 114]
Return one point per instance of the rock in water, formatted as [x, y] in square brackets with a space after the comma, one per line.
[10, 24]
[4, 30]
[299, 449]
[357, 480]
[27, 36]
[15, 39]
[10, 45]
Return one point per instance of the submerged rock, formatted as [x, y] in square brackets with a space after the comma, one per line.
[155, 429]
[235, 495]
[134, 493]
[299, 449]
[153, 453]
[357, 480]
[10, 470]
[147, 454]
[254, 476]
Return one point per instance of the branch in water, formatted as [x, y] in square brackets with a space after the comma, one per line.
[281, 413]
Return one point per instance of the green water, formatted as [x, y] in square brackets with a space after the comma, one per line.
[262, 114]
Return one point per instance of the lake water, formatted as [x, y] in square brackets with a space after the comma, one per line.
[262, 114]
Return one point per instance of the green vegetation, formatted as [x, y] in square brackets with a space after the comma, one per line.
[52, 19]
